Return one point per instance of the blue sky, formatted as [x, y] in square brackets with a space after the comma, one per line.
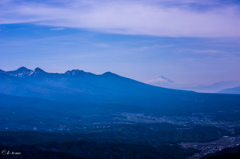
[190, 42]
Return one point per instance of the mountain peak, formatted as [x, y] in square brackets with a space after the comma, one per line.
[164, 79]
[20, 72]
[22, 68]
[109, 74]
[75, 72]
[159, 79]
[38, 70]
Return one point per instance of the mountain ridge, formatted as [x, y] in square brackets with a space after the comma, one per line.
[79, 85]
[234, 90]
[23, 71]
[110, 88]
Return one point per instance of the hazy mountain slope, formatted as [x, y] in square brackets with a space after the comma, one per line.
[235, 90]
[215, 87]
[1, 71]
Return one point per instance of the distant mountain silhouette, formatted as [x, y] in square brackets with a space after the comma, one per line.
[79, 86]
[162, 81]
[216, 87]
[41, 83]
[235, 90]
[159, 80]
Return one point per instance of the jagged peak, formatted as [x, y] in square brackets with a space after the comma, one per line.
[24, 69]
[20, 69]
[74, 72]
[20, 72]
[39, 70]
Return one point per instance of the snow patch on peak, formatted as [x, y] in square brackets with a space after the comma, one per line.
[38, 72]
[31, 73]
[21, 72]
[159, 79]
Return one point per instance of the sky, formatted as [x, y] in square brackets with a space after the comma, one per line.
[191, 42]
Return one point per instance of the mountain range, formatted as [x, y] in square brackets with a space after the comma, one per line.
[83, 87]
[76, 85]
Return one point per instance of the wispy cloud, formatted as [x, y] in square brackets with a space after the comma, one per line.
[187, 18]
[57, 29]
[202, 51]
